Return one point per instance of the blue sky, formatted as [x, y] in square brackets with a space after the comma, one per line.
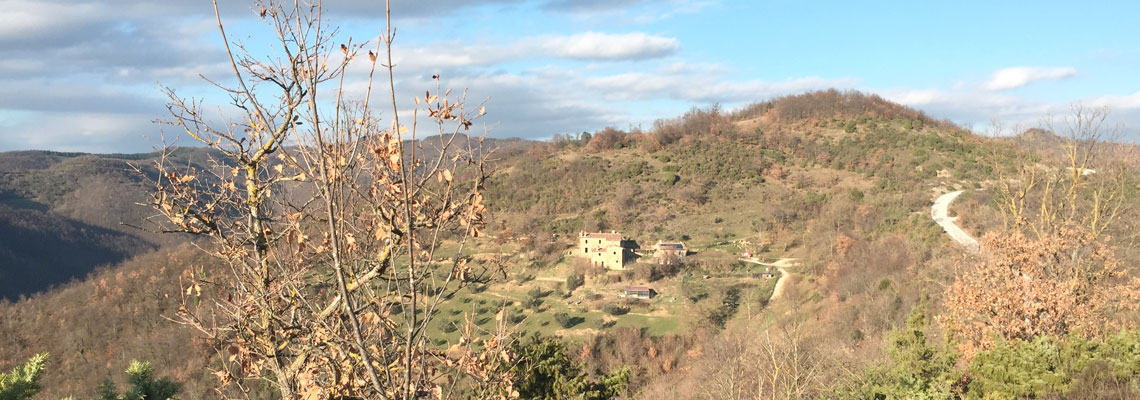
[85, 75]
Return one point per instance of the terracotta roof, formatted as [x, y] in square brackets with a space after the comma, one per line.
[607, 236]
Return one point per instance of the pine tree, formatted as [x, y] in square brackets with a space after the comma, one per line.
[544, 370]
[924, 367]
[919, 369]
[143, 385]
[1021, 369]
[107, 390]
[24, 380]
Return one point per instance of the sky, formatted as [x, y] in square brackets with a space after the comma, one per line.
[87, 75]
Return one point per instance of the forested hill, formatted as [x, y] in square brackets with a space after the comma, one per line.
[781, 154]
[64, 214]
[61, 216]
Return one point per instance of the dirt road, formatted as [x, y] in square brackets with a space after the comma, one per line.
[939, 212]
[782, 264]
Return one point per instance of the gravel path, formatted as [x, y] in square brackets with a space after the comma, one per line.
[782, 264]
[939, 213]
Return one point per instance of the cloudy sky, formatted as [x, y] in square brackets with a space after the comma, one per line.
[85, 75]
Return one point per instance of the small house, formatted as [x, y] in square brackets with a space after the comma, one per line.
[669, 252]
[769, 273]
[640, 292]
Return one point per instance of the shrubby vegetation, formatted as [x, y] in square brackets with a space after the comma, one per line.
[573, 281]
[1045, 366]
[104, 322]
[832, 103]
[47, 249]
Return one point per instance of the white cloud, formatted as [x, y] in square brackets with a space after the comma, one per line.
[1125, 110]
[59, 96]
[1126, 102]
[975, 108]
[702, 83]
[916, 97]
[589, 46]
[28, 19]
[588, 6]
[605, 46]
[452, 55]
[87, 132]
[82, 75]
[530, 105]
[1015, 77]
[77, 76]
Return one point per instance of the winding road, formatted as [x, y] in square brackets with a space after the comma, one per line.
[939, 212]
[782, 264]
[940, 215]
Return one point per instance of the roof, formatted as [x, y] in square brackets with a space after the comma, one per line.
[616, 237]
[638, 288]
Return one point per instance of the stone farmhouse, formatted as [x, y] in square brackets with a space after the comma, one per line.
[606, 250]
[614, 251]
[669, 252]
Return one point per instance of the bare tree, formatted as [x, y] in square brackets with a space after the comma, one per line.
[328, 222]
[782, 362]
[1088, 192]
[1053, 270]
[726, 373]
[787, 366]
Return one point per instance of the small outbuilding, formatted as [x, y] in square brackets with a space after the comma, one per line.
[769, 273]
[669, 252]
[640, 292]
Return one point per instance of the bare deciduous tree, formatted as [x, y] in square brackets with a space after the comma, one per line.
[788, 365]
[782, 362]
[1088, 191]
[328, 222]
